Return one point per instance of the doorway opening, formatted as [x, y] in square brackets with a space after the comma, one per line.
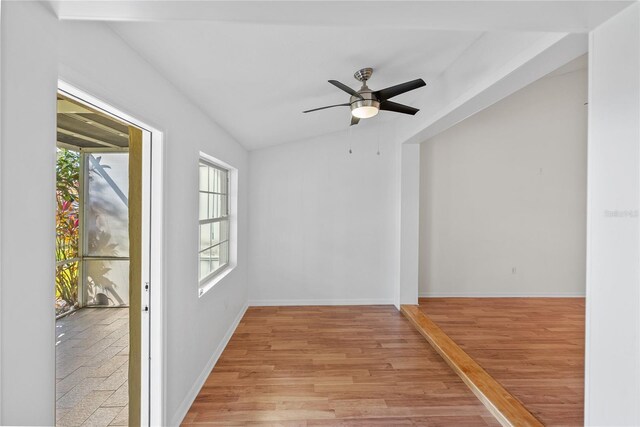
[104, 267]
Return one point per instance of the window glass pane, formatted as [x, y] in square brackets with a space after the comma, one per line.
[214, 206]
[213, 179]
[106, 211]
[107, 282]
[223, 183]
[223, 205]
[217, 181]
[215, 258]
[203, 205]
[205, 236]
[204, 177]
[219, 232]
[224, 230]
[224, 253]
[217, 205]
[205, 263]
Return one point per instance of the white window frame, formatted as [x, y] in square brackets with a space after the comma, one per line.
[207, 282]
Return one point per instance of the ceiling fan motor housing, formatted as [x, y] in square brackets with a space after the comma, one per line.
[366, 102]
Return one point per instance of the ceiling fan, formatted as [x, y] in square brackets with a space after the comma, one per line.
[366, 103]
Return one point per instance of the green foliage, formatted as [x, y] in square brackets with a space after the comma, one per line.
[67, 224]
[67, 175]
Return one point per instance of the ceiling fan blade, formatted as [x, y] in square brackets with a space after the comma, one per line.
[396, 90]
[354, 120]
[328, 106]
[398, 108]
[345, 88]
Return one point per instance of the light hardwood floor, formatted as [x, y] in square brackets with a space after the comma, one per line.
[92, 353]
[333, 366]
[533, 346]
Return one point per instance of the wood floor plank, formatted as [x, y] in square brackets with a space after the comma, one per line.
[332, 366]
[533, 346]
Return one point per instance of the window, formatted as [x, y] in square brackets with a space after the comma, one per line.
[213, 253]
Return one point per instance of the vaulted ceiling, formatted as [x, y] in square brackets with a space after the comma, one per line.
[256, 80]
[253, 67]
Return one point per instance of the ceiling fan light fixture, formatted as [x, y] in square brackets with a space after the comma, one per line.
[365, 108]
[364, 112]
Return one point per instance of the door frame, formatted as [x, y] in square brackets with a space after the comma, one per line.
[152, 381]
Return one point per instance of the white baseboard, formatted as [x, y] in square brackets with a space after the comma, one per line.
[197, 385]
[500, 295]
[276, 302]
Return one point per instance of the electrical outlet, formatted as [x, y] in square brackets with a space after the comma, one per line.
[513, 270]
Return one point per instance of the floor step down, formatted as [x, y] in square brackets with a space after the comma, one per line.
[508, 410]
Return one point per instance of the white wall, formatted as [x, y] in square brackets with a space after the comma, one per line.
[29, 34]
[409, 224]
[90, 57]
[612, 362]
[97, 61]
[322, 223]
[504, 189]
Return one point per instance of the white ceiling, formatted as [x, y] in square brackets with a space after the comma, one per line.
[254, 67]
[255, 80]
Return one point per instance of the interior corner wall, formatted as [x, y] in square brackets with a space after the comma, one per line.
[612, 364]
[322, 224]
[503, 197]
[27, 250]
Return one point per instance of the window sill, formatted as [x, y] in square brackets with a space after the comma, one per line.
[205, 287]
